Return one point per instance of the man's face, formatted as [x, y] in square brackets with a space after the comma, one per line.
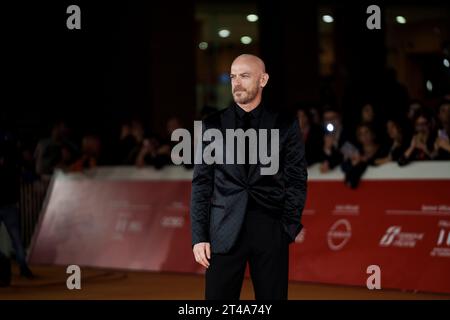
[245, 82]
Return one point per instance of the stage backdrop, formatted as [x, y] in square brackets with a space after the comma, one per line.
[130, 218]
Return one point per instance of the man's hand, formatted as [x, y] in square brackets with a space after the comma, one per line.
[442, 143]
[202, 253]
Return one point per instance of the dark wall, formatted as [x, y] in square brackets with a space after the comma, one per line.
[130, 59]
[289, 45]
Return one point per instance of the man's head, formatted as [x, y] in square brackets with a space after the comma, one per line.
[248, 78]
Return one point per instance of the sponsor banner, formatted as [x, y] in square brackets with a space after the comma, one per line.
[401, 225]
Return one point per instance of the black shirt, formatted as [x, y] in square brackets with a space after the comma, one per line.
[254, 115]
[246, 120]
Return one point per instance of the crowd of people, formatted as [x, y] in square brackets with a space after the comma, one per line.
[421, 134]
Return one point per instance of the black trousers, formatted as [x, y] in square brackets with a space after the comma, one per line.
[265, 246]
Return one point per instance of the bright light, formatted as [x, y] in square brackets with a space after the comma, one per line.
[246, 39]
[203, 45]
[400, 19]
[224, 33]
[327, 18]
[429, 86]
[330, 127]
[252, 17]
[446, 63]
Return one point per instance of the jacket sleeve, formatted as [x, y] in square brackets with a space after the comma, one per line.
[295, 178]
[201, 193]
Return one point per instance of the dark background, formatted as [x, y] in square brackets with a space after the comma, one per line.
[139, 60]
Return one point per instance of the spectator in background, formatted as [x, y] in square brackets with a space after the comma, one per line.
[333, 140]
[315, 116]
[442, 144]
[163, 154]
[130, 142]
[158, 153]
[57, 151]
[422, 142]
[372, 118]
[68, 157]
[368, 151]
[90, 154]
[126, 143]
[414, 106]
[9, 196]
[367, 113]
[148, 152]
[312, 136]
[396, 133]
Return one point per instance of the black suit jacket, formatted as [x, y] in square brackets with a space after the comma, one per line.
[220, 192]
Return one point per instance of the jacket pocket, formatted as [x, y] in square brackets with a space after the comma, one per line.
[216, 205]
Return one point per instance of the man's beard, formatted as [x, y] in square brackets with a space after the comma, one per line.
[246, 96]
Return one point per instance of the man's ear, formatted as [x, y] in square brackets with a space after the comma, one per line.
[264, 79]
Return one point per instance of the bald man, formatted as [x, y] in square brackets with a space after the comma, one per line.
[238, 215]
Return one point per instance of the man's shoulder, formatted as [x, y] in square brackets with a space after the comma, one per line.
[285, 118]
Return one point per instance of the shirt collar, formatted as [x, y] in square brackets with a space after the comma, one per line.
[255, 113]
